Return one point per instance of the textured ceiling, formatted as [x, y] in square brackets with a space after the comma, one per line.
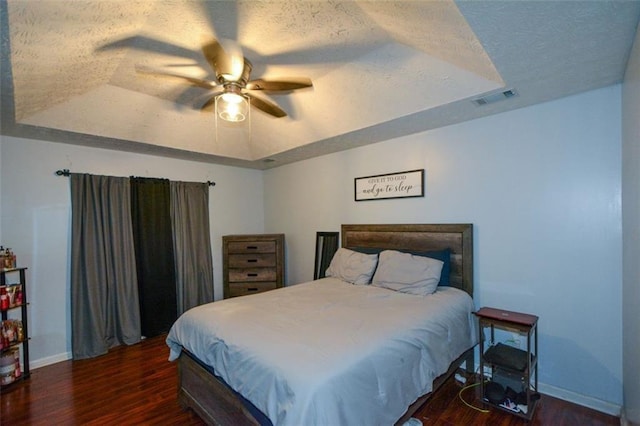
[380, 69]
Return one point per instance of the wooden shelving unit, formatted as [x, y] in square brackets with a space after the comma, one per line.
[21, 307]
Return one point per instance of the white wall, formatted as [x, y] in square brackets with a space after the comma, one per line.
[35, 214]
[631, 233]
[541, 186]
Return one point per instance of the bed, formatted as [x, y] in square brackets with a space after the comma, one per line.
[361, 362]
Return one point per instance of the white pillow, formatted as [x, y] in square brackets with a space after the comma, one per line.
[352, 266]
[407, 273]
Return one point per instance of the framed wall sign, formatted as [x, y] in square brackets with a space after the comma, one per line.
[392, 185]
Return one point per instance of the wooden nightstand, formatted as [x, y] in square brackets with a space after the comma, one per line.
[510, 367]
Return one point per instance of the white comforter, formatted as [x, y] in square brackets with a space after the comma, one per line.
[328, 352]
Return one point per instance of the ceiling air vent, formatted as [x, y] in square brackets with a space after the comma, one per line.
[494, 97]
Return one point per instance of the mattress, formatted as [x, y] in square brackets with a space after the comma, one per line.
[328, 352]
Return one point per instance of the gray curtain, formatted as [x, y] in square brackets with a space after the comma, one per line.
[104, 293]
[191, 243]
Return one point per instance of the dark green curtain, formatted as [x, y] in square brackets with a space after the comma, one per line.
[152, 234]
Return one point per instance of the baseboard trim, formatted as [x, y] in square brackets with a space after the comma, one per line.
[624, 421]
[585, 401]
[42, 362]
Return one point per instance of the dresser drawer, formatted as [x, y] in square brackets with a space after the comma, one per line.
[252, 274]
[257, 260]
[252, 247]
[243, 289]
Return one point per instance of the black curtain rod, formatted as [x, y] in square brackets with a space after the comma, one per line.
[66, 172]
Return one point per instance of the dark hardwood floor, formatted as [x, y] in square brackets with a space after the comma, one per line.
[137, 385]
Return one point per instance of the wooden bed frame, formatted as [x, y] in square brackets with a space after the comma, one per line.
[217, 404]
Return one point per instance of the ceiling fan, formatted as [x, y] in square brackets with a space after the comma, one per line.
[232, 89]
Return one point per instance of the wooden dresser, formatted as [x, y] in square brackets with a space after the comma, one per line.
[252, 263]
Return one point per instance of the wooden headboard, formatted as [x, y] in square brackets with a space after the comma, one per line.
[420, 237]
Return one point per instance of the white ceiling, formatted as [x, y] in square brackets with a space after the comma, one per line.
[381, 69]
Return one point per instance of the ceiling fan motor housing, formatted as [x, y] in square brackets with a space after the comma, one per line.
[241, 82]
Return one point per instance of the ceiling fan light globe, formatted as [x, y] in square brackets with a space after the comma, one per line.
[232, 116]
[232, 107]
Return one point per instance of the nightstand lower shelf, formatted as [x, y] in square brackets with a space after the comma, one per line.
[513, 383]
[517, 411]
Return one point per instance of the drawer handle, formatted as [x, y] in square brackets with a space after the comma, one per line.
[252, 247]
[252, 289]
[252, 260]
[252, 275]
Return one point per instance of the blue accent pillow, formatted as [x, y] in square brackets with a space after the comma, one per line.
[443, 255]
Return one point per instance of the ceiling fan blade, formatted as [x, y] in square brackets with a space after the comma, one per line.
[149, 44]
[279, 85]
[222, 17]
[225, 57]
[199, 82]
[181, 65]
[266, 106]
[321, 53]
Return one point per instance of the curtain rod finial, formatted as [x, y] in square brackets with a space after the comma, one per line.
[63, 172]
